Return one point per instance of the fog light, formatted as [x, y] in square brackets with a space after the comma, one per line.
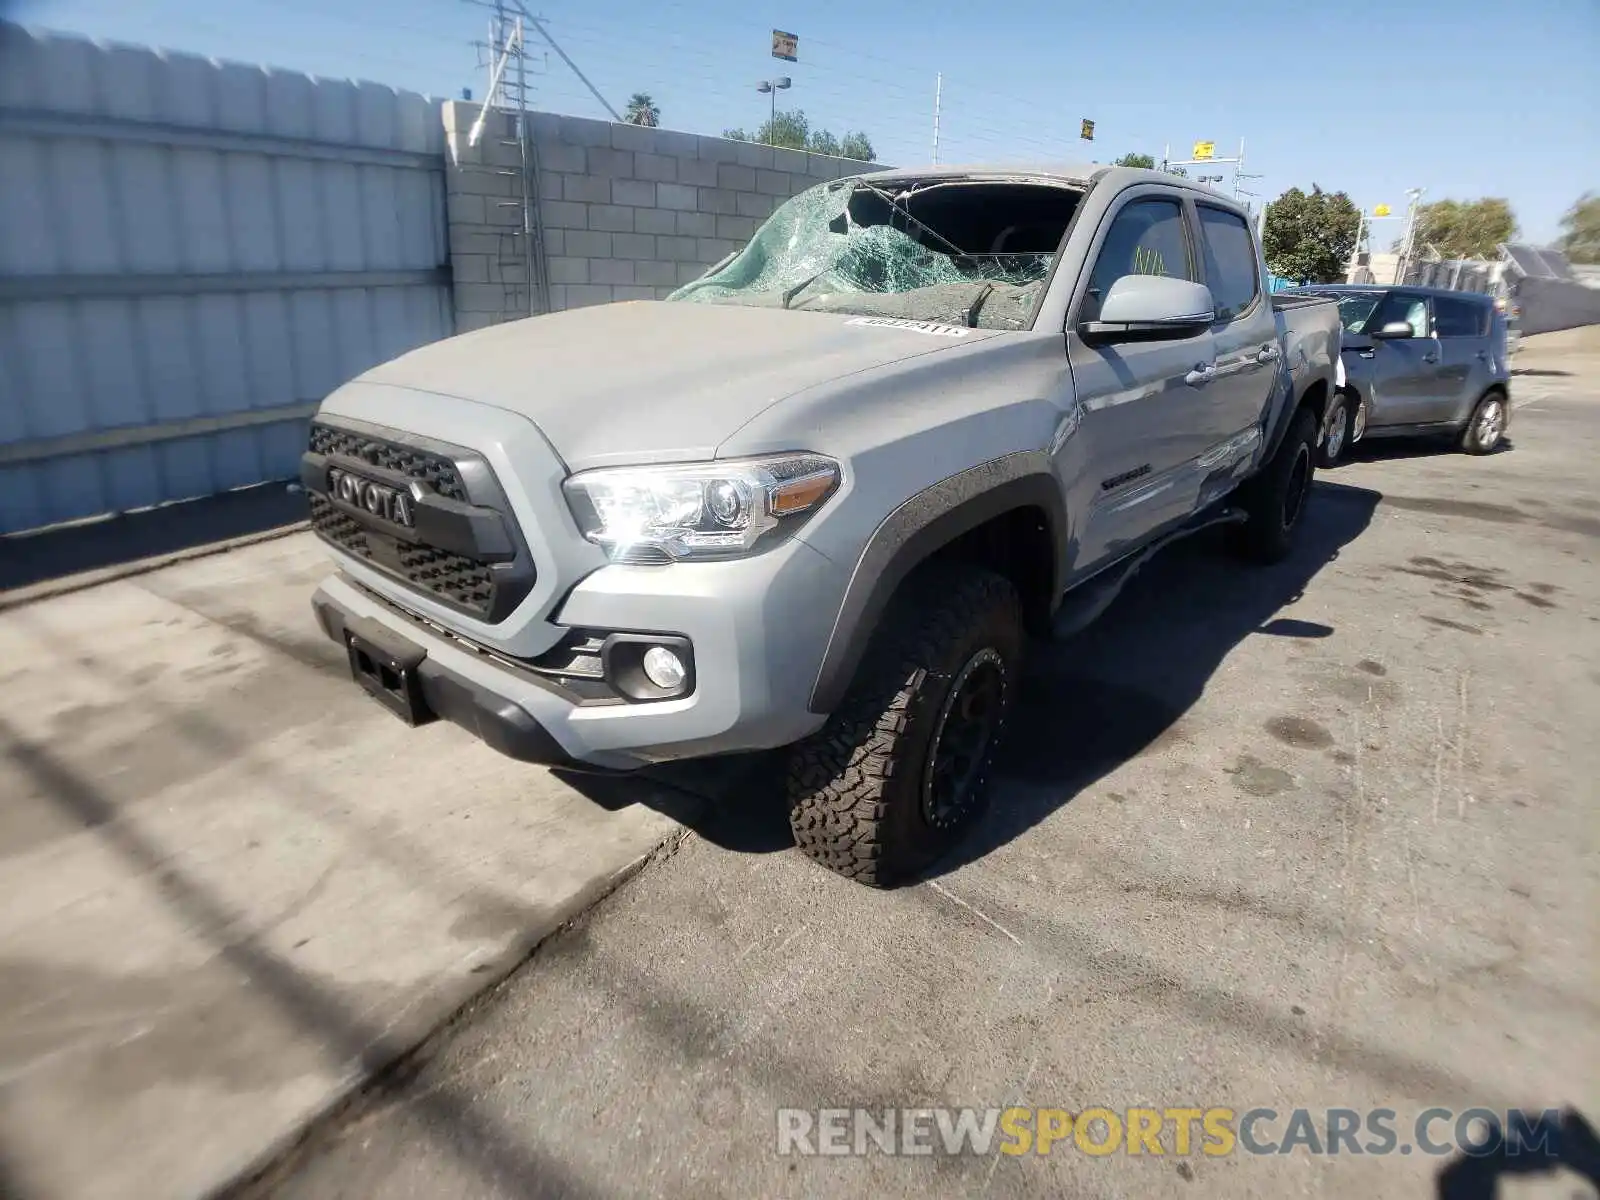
[663, 668]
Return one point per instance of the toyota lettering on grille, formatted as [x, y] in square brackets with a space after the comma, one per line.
[379, 499]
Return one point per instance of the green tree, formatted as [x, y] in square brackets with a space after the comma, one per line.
[1464, 228]
[1580, 230]
[792, 130]
[1308, 237]
[1135, 160]
[857, 146]
[642, 110]
[823, 142]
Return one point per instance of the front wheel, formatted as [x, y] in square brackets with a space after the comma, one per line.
[1275, 500]
[901, 769]
[1487, 426]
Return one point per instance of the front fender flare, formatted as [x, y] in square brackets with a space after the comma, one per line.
[919, 527]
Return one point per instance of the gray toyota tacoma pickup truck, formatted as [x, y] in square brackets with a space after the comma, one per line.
[821, 497]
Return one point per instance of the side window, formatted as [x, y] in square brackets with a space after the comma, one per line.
[1459, 318]
[1145, 238]
[1230, 258]
[1399, 307]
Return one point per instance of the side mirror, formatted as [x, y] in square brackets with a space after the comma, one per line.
[1151, 308]
[1396, 329]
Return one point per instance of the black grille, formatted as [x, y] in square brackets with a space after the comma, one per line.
[438, 473]
[451, 577]
[457, 579]
[343, 531]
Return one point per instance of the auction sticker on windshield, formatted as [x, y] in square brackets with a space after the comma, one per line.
[932, 327]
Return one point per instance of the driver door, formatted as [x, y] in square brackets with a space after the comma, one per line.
[1405, 371]
[1142, 403]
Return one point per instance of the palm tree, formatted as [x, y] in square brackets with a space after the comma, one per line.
[642, 110]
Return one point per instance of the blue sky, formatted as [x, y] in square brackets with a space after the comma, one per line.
[1465, 98]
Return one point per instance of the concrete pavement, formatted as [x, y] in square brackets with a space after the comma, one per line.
[1317, 835]
[1322, 835]
[234, 886]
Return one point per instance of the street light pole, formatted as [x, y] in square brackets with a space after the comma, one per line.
[1415, 196]
[773, 87]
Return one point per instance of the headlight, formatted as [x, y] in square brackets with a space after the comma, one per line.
[701, 510]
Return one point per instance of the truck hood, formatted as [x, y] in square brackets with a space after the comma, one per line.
[656, 381]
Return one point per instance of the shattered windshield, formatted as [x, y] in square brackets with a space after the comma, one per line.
[961, 252]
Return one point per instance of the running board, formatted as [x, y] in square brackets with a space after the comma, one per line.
[1083, 606]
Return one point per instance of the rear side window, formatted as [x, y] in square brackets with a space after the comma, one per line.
[1459, 318]
[1230, 258]
[1145, 238]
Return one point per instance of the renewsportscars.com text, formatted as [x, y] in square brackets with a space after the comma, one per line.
[1179, 1131]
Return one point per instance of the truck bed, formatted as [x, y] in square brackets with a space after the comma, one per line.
[1282, 301]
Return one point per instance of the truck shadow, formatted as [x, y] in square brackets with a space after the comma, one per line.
[1115, 691]
[1088, 704]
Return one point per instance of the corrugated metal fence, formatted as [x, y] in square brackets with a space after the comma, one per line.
[1459, 275]
[192, 254]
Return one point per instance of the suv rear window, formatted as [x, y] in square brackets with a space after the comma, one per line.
[1230, 258]
[1459, 318]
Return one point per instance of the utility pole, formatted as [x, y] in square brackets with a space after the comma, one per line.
[938, 95]
[1415, 196]
[1238, 166]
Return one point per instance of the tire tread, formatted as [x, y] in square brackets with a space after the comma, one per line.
[838, 779]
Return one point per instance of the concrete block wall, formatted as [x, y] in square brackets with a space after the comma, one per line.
[628, 213]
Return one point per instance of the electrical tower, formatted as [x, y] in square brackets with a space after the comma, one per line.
[511, 157]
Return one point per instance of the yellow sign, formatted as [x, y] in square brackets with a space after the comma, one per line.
[1380, 210]
[1086, 130]
[785, 46]
[1205, 150]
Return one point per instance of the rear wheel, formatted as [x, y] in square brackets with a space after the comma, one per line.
[1337, 433]
[901, 769]
[1275, 500]
[1487, 426]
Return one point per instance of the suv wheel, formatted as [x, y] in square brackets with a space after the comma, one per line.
[1275, 500]
[1337, 431]
[1487, 426]
[902, 767]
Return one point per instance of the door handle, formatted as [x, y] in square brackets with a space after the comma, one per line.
[1201, 375]
[1430, 358]
[1267, 354]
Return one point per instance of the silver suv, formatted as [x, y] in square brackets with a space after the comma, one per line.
[1416, 362]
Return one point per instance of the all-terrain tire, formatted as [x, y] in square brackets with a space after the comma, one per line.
[1337, 431]
[1275, 500]
[858, 787]
[1487, 426]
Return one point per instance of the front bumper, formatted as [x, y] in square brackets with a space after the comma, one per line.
[758, 628]
[498, 722]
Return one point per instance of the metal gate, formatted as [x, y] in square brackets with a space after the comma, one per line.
[192, 255]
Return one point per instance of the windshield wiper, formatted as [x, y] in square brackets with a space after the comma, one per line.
[905, 212]
[972, 310]
[791, 293]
